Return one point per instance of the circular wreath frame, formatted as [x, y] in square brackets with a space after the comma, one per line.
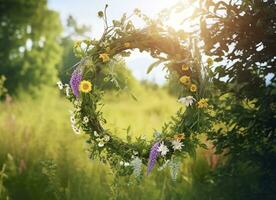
[167, 46]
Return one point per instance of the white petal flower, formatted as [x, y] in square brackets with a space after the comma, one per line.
[163, 149]
[76, 130]
[177, 145]
[96, 134]
[187, 101]
[67, 90]
[126, 164]
[85, 120]
[136, 163]
[121, 163]
[72, 119]
[60, 85]
[101, 143]
[106, 138]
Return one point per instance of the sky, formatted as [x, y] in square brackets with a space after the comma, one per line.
[85, 12]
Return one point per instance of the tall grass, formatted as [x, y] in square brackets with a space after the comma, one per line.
[42, 158]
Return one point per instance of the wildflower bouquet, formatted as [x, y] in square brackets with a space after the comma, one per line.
[179, 137]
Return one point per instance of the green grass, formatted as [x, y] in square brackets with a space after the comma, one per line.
[45, 160]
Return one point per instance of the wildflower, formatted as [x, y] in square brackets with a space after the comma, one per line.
[75, 81]
[106, 138]
[72, 119]
[101, 142]
[202, 103]
[67, 90]
[96, 134]
[85, 120]
[177, 145]
[104, 57]
[174, 165]
[76, 129]
[60, 85]
[186, 80]
[121, 163]
[185, 67]
[153, 157]
[187, 101]
[126, 164]
[193, 88]
[127, 45]
[179, 137]
[85, 86]
[136, 163]
[163, 149]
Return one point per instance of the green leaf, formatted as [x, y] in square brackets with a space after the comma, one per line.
[155, 64]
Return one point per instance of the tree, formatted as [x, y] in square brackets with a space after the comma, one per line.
[241, 36]
[29, 42]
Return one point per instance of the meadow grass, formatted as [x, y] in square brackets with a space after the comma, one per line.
[44, 159]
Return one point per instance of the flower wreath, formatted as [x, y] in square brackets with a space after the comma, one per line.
[178, 137]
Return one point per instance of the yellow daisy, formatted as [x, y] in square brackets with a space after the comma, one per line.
[202, 103]
[186, 80]
[104, 57]
[193, 88]
[85, 86]
[185, 67]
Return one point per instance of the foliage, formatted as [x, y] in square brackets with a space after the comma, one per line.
[3, 90]
[242, 36]
[168, 47]
[29, 44]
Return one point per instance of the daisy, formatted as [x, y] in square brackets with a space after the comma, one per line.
[85, 86]
[177, 145]
[187, 101]
[60, 85]
[163, 149]
[85, 120]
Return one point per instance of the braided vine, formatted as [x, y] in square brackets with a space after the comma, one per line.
[179, 137]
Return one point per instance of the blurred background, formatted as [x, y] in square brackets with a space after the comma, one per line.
[40, 156]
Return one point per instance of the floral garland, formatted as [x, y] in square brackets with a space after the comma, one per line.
[178, 137]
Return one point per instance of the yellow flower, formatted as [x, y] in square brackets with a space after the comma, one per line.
[202, 103]
[104, 57]
[127, 45]
[185, 67]
[186, 80]
[85, 86]
[179, 137]
[193, 88]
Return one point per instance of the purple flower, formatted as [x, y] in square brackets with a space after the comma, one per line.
[153, 156]
[75, 81]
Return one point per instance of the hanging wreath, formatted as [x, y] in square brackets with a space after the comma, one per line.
[179, 137]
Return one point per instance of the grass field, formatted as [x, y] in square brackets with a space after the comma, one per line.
[41, 157]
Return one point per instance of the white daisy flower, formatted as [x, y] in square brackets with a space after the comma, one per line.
[72, 119]
[76, 130]
[177, 145]
[67, 90]
[96, 134]
[126, 164]
[121, 163]
[101, 143]
[106, 138]
[60, 85]
[85, 120]
[187, 101]
[163, 149]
